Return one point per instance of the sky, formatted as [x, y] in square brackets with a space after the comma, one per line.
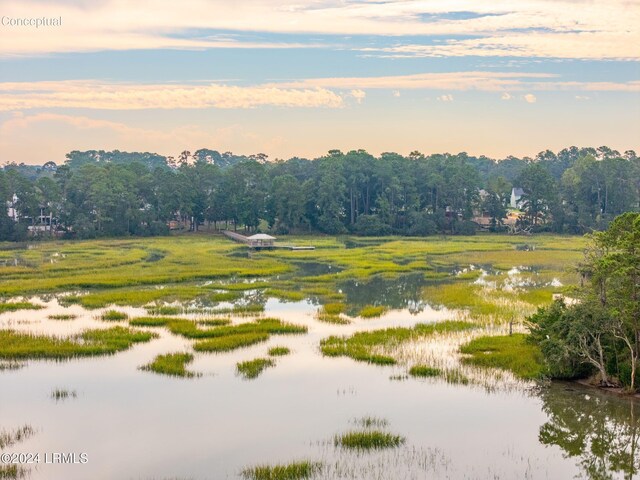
[299, 78]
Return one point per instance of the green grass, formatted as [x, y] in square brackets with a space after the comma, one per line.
[230, 342]
[215, 322]
[368, 440]
[164, 310]
[369, 346]
[253, 368]
[172, 364]
[372, 311]
[509, 352]
[15, 346]
[287, 295]
[278, 351]
[334, 308]
[14, 306]
[62, 316]
[229, 296]
[332, 318]
[292, 471]
[114, 316]
[424, 371]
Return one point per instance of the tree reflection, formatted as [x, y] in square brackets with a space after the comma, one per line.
[598, 429]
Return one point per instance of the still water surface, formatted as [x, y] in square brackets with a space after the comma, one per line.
[134, 424]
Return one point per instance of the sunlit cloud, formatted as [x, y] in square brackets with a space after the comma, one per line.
[530, 98]
[506, 96]
[358, 94]
[456, 81]
[445, 98]
[85, 94]
[598, 29]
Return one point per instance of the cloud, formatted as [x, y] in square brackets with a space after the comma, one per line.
[530, 98]
[582, 97]
[506, 96]
[97, 95]
[457, 81]
[396, 93]
[445, 98]
[594, 29]
[358, 94]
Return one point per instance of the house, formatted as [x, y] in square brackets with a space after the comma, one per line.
[516, 197]
[11, 208]
[260, 240]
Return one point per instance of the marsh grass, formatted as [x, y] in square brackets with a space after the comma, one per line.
[253, 368]
[369, 421]
[335, 319]
[369, 346]
[164, 310]
[17, 346]
[278, 351]
[10, 438]
[62, 316]
[13, 472]
[424, 371]
[172, 364]
[59, 394]
[114, 316]
[228, 296]
[15, 306]
[300, 470]
[507, 352]
[286, 295]
[368, 440]
[230, 342]
[372, 311]
[11, 365]
[215, 322]
[334, 308]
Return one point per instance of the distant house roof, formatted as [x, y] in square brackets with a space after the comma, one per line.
[261, 236]
[518, 192]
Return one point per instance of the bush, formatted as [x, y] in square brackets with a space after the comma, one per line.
[371, 225]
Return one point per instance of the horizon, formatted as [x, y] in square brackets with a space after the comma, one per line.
[497, 79]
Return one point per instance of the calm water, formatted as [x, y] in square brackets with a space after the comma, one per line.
[139, 425]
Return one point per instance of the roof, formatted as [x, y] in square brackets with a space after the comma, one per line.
[518, 192]
[261, 236]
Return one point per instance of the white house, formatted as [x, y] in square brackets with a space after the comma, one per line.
[516, 197]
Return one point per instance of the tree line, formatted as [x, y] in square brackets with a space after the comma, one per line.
[598, 332]
[98, 193]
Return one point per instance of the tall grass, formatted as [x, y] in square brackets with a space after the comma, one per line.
[368, 440]
[508, 352]
[369, 346]
[230, 342]
[114, 316]
[300, 470]
[14, 345]
[253, 368]
[15, 306]
[172, 364]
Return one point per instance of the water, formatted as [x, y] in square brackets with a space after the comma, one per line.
[139, 425]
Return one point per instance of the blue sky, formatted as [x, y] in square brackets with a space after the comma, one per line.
[493, 78]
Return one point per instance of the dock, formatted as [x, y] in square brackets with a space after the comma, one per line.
[261, 241]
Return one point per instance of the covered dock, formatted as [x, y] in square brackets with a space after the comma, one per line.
[261, 241]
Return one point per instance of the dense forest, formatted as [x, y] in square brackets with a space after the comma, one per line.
[98, 193]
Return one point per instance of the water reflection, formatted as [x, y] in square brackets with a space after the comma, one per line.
[402, 292]
[599, 430]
